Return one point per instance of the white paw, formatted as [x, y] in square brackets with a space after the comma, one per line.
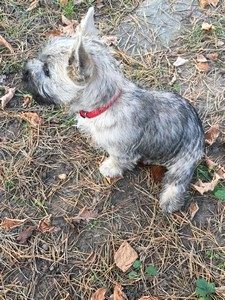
[171, 199]
[170, 206]
[110, 168]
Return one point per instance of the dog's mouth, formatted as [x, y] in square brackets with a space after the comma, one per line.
[41, 100]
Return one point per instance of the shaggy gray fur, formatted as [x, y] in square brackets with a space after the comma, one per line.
[150, 126]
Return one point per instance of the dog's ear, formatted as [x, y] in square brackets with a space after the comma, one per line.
[82, 60]
[84, 63]
[87, 25]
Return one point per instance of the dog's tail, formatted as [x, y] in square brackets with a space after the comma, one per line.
[176, 182]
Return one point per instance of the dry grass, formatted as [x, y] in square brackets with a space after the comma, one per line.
[72, 262]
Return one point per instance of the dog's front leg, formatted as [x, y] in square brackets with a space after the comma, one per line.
[111, 167]
[115, 166]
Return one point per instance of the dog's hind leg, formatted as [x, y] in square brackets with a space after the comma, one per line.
[175, 184]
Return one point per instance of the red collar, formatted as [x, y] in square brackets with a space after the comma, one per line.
[96, 112]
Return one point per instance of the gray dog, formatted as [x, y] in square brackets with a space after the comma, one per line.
[130, 123]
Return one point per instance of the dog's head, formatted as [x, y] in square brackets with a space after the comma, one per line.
[66, 65]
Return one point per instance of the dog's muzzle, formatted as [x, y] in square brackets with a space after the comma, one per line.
[29, 85]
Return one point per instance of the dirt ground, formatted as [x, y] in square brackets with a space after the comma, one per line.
[76, 258]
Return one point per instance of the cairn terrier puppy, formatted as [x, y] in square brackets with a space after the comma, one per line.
[131, 124]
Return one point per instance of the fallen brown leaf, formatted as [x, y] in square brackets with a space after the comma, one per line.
[44, 225]
[211, 164]
[33, 118]
[86, 214]
[213, 56]
[69, 29]
[99, 294]
[8, 223]
[204, 3]
[33, 5]
[193, 209]
[201, 58]
[148, 298]
[53, 32]
[118, 293]
[10, 92]
[27, 100]
[125, 256]
[214, 2]
[63, 2]
[218, 169]
[6, 44]
[26, 234]
[204, 187]
[66, 21]
[203, 67]
[212, 134]
[206, 26]
[157, 173]
[220, 172]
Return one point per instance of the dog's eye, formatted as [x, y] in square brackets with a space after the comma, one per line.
[46, 70]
